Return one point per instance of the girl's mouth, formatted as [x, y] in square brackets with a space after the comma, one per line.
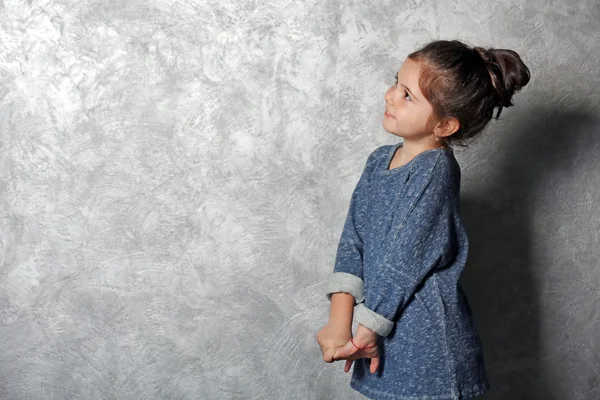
[387, 114]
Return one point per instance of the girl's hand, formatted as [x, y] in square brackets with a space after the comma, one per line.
[366, 340]
[331, 338]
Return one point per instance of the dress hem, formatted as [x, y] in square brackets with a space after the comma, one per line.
[467, 393]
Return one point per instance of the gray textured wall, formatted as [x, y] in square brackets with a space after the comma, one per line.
[174, 177]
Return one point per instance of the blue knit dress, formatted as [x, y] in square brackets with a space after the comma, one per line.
[401, 253]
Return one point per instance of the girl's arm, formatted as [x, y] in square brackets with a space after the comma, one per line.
[347, 276]
[418, 242]
[345, 287]
[341, 312]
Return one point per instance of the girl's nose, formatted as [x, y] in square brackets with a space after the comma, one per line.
[388, 95]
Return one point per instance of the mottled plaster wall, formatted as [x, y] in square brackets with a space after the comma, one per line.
[174, 177]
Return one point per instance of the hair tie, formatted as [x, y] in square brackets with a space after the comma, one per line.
[360, 348]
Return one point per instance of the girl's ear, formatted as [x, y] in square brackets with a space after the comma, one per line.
[447, 127]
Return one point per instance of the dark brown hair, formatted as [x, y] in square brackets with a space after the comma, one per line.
[468, 83]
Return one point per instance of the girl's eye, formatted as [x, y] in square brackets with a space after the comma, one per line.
[405, 92]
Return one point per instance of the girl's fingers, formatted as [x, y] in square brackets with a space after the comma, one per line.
[344, 352]
[374, 364]
[348, 365]
[329, 355]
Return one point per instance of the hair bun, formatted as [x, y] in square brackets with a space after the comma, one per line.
[507, 71]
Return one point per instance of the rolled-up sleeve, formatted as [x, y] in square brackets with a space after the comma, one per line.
[418, 243]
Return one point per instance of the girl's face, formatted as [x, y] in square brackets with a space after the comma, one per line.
[407, 110]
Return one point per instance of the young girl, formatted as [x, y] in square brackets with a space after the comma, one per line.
[404, 246]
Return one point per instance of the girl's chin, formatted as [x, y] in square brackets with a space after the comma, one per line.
[388, 127]
[391, 132]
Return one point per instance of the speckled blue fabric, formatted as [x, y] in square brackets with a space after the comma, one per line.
[401, 253]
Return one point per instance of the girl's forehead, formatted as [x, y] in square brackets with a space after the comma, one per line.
[409, 68]
[408, 73]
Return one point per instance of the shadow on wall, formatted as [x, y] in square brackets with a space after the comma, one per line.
[499, 276]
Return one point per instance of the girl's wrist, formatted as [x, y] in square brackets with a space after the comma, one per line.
[364, 336]
[342, 311]
[339, 328]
